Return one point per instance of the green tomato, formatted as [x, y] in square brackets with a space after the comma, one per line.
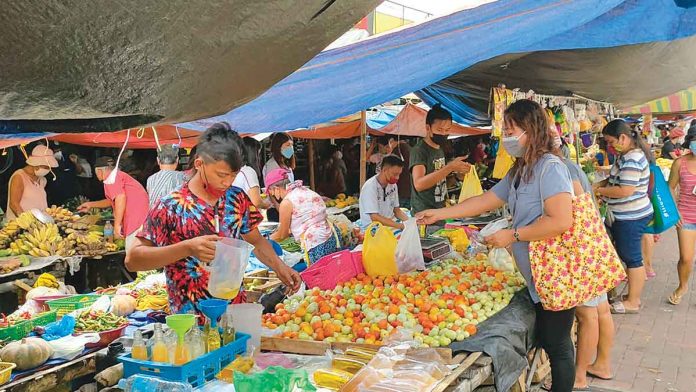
[444, 341]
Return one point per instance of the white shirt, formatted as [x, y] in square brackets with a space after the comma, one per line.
[375, 199]
[246, 179]
[272, 164]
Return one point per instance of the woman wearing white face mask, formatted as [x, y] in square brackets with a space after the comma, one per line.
[27, 185]
[538, 190]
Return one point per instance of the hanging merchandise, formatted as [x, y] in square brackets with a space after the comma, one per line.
[502, 98]
[503, 163]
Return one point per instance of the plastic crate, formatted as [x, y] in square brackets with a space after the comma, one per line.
[333, 269]
[196, 372]
[66, 305]
[22, 328]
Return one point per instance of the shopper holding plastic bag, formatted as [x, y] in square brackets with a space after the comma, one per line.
[182, 229]
[538, 190]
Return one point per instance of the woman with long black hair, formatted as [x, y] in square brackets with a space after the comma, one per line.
[248, 177]
[538, 190]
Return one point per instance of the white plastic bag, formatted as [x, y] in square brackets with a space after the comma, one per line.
[409, 254]
[69, 347]
[498, 258]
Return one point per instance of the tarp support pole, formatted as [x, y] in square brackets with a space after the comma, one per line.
[312, 178]
[363, 147]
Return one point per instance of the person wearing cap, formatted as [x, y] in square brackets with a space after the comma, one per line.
[168, 178]
[27, 186]
[125, 195]
[670, 149]
[302, 213]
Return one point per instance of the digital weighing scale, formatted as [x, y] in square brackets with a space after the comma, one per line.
[434, 248]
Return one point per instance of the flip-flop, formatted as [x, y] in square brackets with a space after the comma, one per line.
[582, 389]
[675, 299]
[599, 377]
[650, 275]
[619, 308]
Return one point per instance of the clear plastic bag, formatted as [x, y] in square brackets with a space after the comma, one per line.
[69, 347]
[498, 258]
[228, 266]
[409, 254]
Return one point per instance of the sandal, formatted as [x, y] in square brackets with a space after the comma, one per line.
[650, 275]
[675, 299]
[619, 308]
[589, 373]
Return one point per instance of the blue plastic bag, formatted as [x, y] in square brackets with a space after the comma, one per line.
[58, 329]
[666, 214]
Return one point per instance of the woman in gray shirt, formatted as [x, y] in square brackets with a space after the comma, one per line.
[538, 190]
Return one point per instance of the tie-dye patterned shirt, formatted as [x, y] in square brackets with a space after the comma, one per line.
[182, 216]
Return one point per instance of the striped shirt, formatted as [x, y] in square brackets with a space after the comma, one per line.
[631, 169]
[162, 184]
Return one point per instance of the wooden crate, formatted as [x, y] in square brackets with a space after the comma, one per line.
[269, 277]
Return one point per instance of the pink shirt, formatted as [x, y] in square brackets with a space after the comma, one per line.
[33, 196]
[136, 201]
[309, 225]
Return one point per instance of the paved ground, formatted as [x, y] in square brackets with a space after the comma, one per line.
[656, 349]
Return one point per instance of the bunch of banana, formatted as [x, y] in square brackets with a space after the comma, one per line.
[20, 247]
[46, 280]
[89, 244]
[46, 241]
[63, 217]
[111, 247]
[26, 220]
[9, 233]
[153, 302]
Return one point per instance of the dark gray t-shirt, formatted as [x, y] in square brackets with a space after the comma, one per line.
[433, 159]
[525, 202]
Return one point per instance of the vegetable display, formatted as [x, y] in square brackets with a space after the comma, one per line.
[91, 321]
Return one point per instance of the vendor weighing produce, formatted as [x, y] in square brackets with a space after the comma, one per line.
[181, 230]
[428, 169]
[379, 197]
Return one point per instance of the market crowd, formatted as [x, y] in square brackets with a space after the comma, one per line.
[171, 215]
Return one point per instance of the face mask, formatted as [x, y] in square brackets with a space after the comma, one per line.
[513, 147]
[209, 189]
[287, 152]
[58, 155]
[41, 172]
[557, 142]
[439, 139]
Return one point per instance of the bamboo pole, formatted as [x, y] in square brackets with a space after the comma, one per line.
[363, 148]
[312, 175]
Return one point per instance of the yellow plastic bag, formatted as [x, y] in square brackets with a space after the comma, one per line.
[503, 163]
[471, 185]
[379, 251]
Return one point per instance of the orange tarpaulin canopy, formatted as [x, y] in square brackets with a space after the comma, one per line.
[139, 138]
[338, 131]
[411, 122]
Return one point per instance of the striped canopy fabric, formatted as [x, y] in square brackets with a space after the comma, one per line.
[682, 101]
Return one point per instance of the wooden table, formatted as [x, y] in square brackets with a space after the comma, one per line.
[46, 380]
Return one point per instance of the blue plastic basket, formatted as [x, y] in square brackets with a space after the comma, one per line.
[196, 372]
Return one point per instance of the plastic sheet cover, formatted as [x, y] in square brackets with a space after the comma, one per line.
[506, 338]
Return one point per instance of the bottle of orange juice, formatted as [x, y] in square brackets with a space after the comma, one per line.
[159, 347]
[139, 349]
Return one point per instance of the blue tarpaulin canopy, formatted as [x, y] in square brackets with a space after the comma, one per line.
[608, 50]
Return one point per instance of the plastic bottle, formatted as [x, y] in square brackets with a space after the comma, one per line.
[159, 346]
[139, 349]
[109, 232]
[138, 383]
[228, 331]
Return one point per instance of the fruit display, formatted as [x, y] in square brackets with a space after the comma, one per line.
[98, 321]
[440, 305]
[68, 235]
[27, 353]
[342, 201]
[457, 238]
[13, 263]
